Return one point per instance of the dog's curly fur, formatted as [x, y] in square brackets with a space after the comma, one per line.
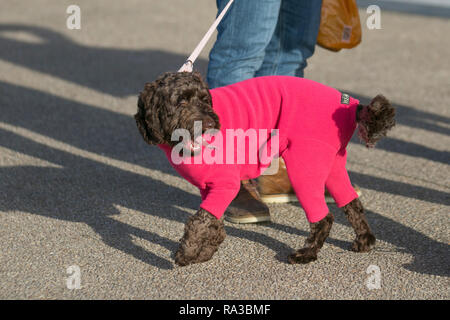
[319, 232]
[365, 239]
[375, 120]
[364, 242]
[176, 100]
[203, 233]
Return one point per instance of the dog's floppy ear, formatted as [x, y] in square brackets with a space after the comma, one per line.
[140, 122]
[150, 135]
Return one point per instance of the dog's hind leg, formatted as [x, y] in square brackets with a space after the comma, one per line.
[319, 232]
[365, 239]
[340, 187]
[308, 163]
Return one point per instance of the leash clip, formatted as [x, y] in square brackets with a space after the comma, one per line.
[188, 66]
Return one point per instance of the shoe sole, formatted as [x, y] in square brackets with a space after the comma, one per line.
[286, 198]
[247, 219]
[279, 198]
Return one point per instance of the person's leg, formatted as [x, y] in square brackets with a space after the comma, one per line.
[294, 39]
[237, 53]
[242, 38]
[292, 43]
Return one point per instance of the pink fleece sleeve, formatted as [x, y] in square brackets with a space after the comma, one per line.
[218, 184]
[218, 194]
[338, 182]
[309, 163]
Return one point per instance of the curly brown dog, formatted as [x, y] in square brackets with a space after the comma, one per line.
[314, 124]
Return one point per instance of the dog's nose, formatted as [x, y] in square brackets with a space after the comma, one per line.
[209, 124]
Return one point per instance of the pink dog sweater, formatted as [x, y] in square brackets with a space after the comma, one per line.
[314, 123]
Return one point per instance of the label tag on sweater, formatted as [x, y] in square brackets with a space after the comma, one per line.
[345, 98]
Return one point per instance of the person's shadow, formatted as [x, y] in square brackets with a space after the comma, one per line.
[88, 191]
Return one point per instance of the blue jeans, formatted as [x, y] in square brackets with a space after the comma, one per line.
[263, 37]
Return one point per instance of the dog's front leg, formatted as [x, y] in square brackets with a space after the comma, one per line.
[319, 232]
[365, 239]
[203, 233]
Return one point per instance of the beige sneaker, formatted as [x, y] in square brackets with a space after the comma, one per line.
[277, 188]
[247, 207]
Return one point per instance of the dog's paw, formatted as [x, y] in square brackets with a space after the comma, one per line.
[202, 237]
[190, 253]
[187, 254]
[304, 255]
[364, 243]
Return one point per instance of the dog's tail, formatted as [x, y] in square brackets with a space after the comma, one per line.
[375, 120]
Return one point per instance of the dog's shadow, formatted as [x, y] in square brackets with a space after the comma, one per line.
[82, 189]
[429, 256]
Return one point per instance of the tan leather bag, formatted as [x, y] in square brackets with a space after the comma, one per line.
[340, 26]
